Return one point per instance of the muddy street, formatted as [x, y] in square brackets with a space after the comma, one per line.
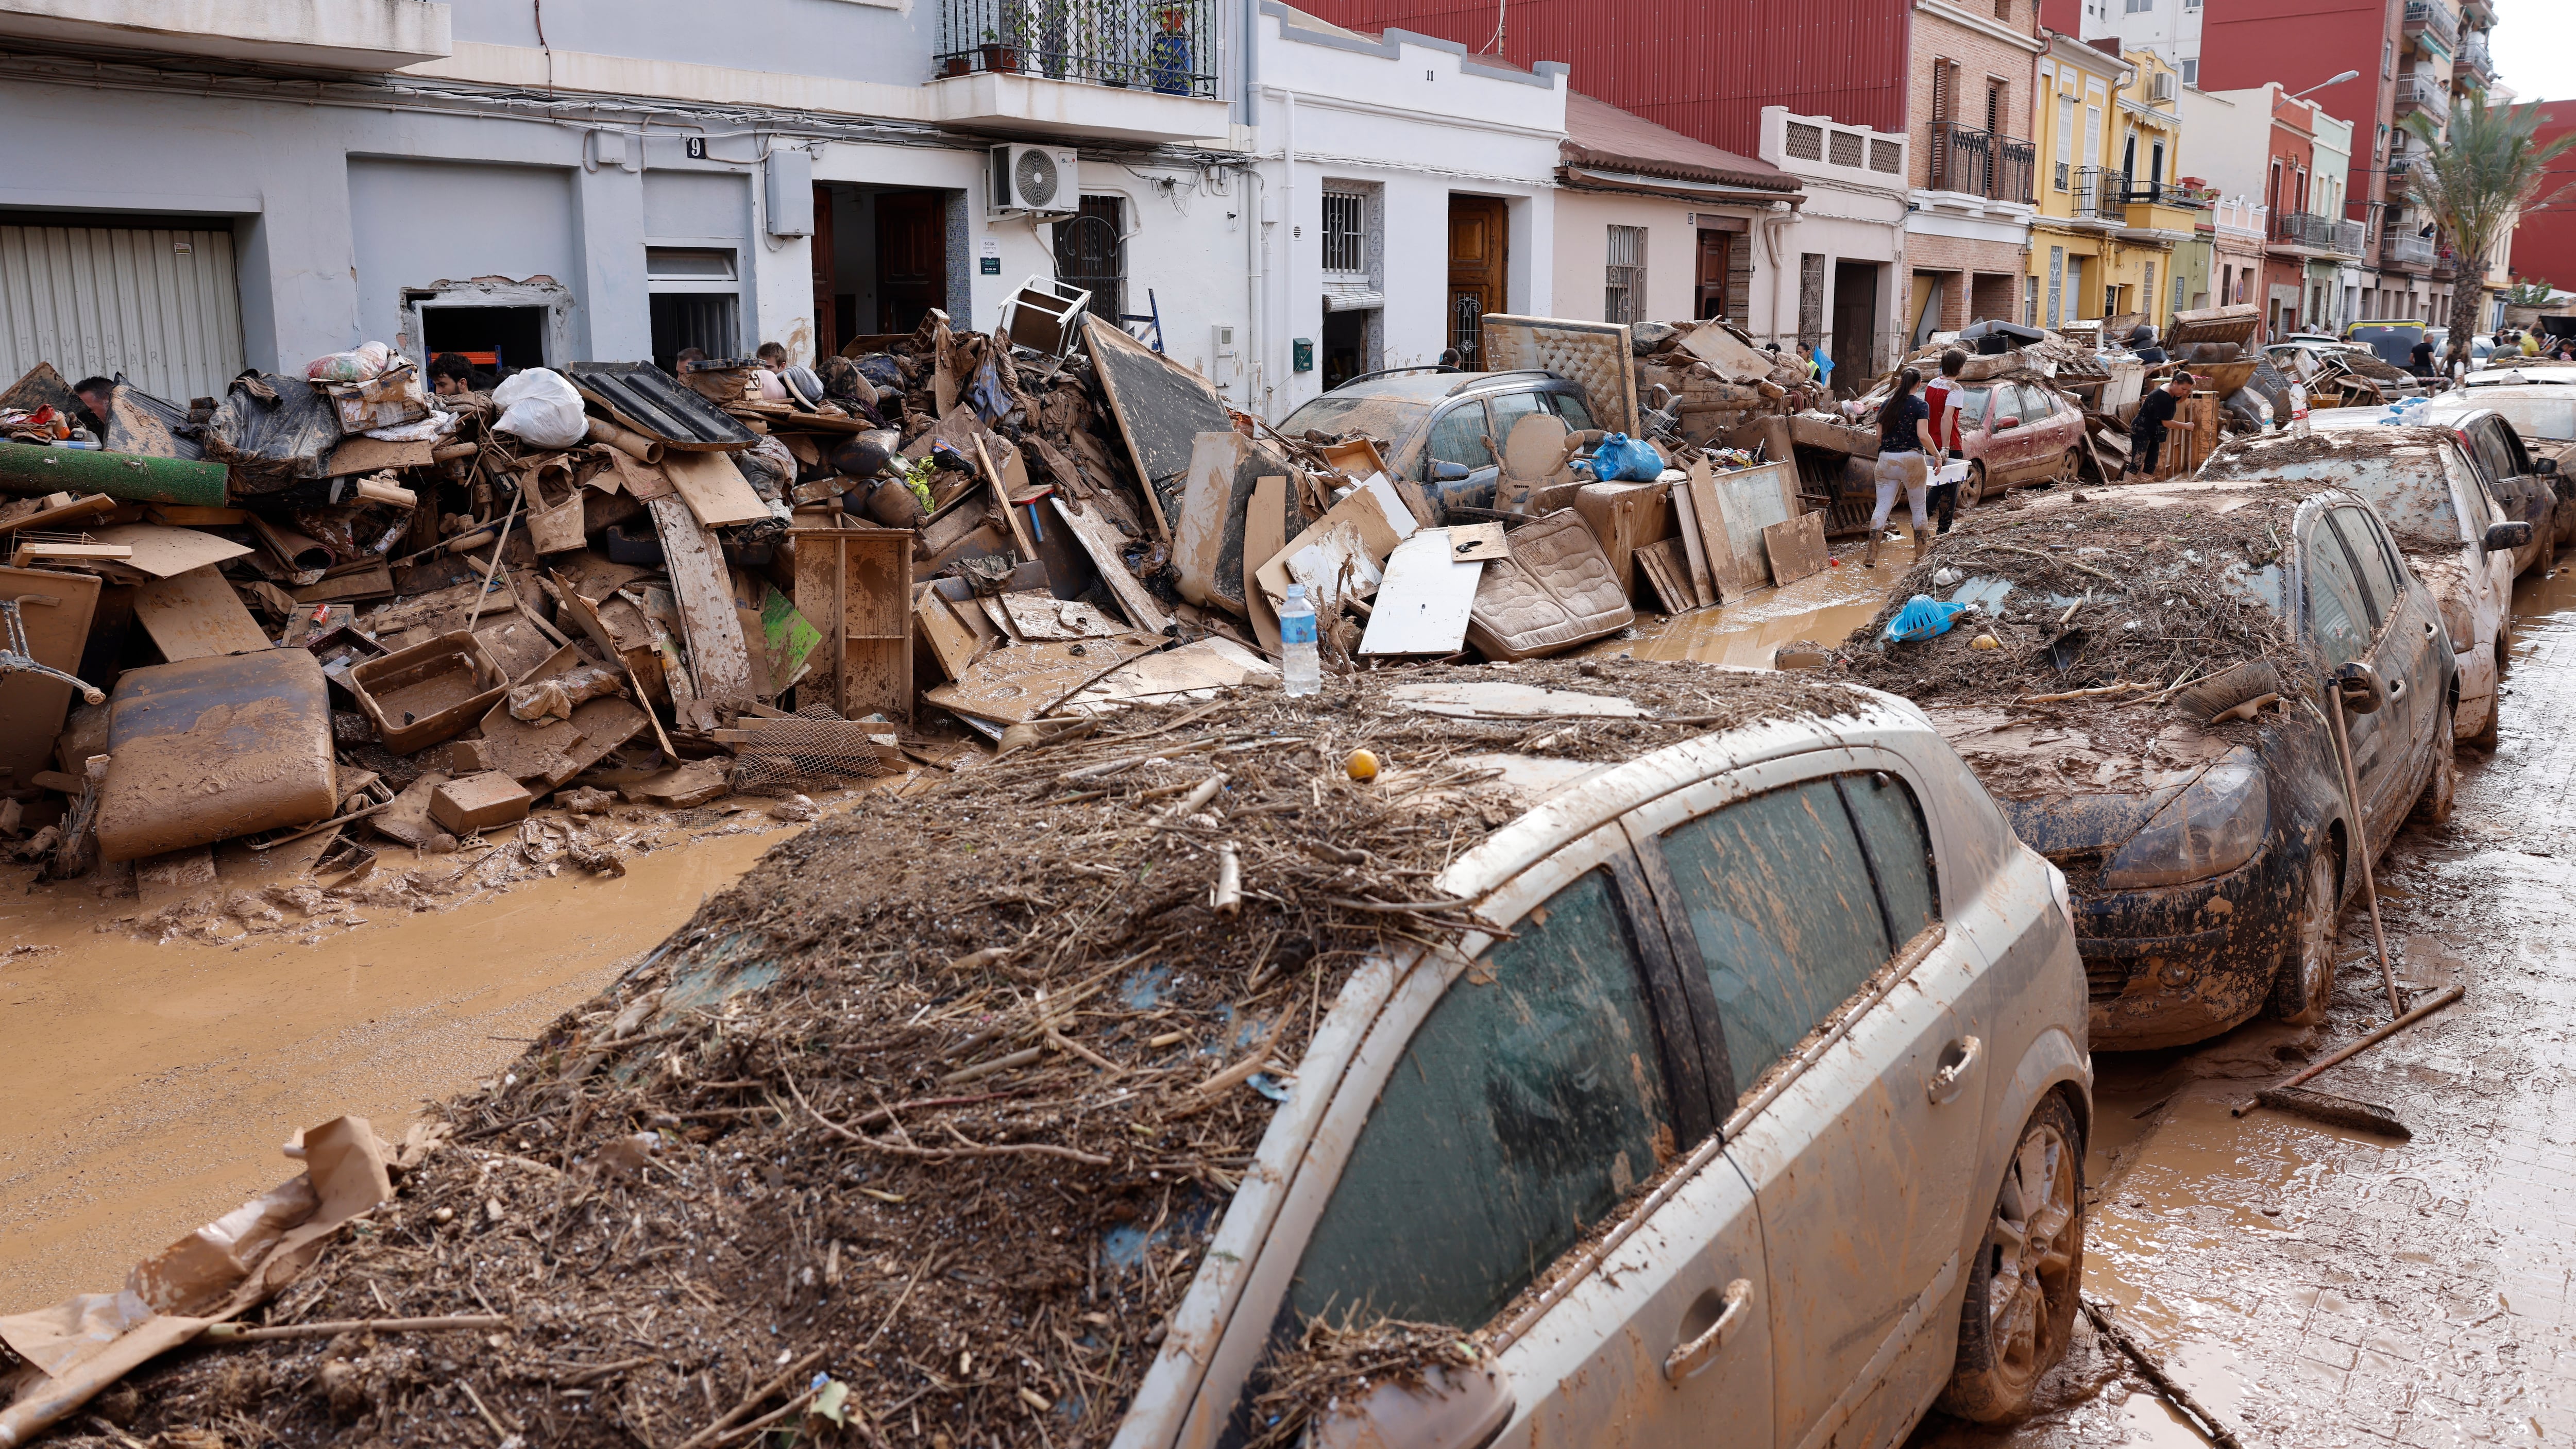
[2312, 1285]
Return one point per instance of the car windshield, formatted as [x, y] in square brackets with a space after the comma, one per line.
[2538, 417]
[1390, 420]
[1973, 403]
[2405, 480]
[2395, 343]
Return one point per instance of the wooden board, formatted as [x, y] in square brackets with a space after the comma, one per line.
[719, 661]
[1265, 532]
[1101, 540]
[1363, 528]
[854, 585]
[1160, 406]
[373, 581]
[1425, 598]
[715, 489]
[32, 706]
[1193, 671]
[1731, 575]
[1624, 517]
[164, 552]
[196, 615]
[1665, 568]
[362, 454]
[52, 515]
[1018, 684]
[1694, 549]
[1796, 548]
[950, 642]
[1045, 617]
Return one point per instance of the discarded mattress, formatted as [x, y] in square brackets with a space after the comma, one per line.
[1554, 591]
[212, 748]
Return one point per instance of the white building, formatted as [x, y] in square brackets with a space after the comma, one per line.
[2170, 28]
[1847, 246]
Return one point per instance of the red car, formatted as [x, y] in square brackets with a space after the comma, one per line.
[2014, 434]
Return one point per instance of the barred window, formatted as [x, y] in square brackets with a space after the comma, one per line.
[1846, 149]
[1624, 294]
[1806, 143]
[1345, 232]
[1886, 156]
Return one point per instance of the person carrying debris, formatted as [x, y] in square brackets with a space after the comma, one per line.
[1904, 449]
[1942, 398]
[2154, 414]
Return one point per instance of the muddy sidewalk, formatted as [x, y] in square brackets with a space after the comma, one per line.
[2315, 1286]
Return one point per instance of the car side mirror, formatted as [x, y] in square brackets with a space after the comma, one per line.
[2545, 467]
[2003, 423]
[1449, 1408]
[2504, 536]
[1442, 472]
[2359, 686]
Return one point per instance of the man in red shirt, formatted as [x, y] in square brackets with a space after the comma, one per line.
[1941, 398]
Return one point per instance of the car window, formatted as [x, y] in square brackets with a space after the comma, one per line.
[2492, 449]
[1571, 408]
[1458, 436]
[2336, 615]
[1974, 404]
[1509, 408]
[2377, 571]
[1389, 420]
[1527, 1105]
[1780, 902]
[2535, 417]
[1900, 850]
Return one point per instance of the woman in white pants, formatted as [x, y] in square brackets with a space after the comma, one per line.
[1904, 460]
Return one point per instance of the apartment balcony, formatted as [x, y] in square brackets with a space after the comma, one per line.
[2171, 193]
[1110, 69]
[2101, 194]
[1981, 163]
[2477, 15]
[2350, 239]
[2432, 18]
[2303, 229]
[2406, 249]
[2417, 91]
[2477, 62]
[359, 35]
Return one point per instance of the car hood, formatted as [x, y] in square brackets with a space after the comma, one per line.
[2078, 787]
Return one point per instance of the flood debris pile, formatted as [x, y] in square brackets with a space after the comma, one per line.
[2107, 603]
[940, 1105]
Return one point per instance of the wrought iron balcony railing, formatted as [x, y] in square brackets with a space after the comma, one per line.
[1982, 163]
[1168, 46]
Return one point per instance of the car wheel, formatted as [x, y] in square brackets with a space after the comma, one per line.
[2020, 1307]
[2442, 792]
[1978, 493]
[2305, 983]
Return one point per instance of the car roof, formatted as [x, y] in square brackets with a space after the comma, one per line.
[2525, 374]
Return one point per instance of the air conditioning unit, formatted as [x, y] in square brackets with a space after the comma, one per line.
[2162, 88]
[1035, 181]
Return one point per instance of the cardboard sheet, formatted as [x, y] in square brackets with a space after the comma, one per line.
[719, 662]
[163, 552]
[715, 489]
[1353, 539]
[1193, 671]
[1423, 603]
[1018, 684]
[195, 615]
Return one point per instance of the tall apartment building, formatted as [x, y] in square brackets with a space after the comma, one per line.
[2170, 28]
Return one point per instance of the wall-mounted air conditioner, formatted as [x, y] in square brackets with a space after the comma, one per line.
[1034, 181]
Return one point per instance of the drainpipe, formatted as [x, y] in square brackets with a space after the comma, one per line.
[1249, 208]
[1287, 201]
[1774, 228]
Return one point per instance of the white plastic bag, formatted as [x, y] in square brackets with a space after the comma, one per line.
[359, 364]
[540, 407]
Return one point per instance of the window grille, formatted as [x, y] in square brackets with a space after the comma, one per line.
[1624, 280]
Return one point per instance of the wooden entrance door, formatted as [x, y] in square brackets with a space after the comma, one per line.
[912, 257]
[1479, 258]
[1716, 259]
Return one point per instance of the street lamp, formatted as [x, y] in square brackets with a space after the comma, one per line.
[2321, 85]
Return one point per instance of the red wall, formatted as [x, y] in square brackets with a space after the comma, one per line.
[2544, 246]
[1705, 68]
[2244, 43]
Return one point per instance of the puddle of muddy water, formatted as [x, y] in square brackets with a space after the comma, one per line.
[1824, 607]
[149, 1086]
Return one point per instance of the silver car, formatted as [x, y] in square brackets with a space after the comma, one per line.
[1757, 1118]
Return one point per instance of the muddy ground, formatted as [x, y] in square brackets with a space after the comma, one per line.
[2315, 1286]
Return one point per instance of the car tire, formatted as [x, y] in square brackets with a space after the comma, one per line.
[2442, 791]
[2020, 1306]
[1976, 488]
[2304, 984]
[2491, 733]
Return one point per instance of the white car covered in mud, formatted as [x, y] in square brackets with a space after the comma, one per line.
[1801, 970]
[2455, 536]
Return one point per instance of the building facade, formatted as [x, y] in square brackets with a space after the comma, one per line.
[2162, 212]
[2169, 28]
[1849, 239]
[2083, 198]
[1970, 77]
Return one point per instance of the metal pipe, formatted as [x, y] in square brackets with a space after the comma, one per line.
[129, 477]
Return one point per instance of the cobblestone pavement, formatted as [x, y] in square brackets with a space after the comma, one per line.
[2317, 1287]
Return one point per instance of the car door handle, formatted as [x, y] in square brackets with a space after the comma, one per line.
[1960, 1060]
[1691, 1357]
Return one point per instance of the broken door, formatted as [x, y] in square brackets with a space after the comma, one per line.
[1479, 255]
[1716, 258]
[912, 257]
[1855, 319]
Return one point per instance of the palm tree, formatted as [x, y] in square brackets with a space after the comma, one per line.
[2475, 181]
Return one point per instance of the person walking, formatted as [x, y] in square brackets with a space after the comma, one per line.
[1942, 398]
[2154, 415]
[1904, 450]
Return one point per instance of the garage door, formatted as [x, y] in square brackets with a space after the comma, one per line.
[159, 306]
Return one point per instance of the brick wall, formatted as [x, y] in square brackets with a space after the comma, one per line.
[1983, 278]
[1979, 58]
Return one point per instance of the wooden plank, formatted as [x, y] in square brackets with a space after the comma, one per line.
[1265, 532]
[1666, 568]
[714, 488]
[951, 643]
[1019, 684]
[1100, 539]
[1730, 576]
[51, 515]
[719, 661]
[374, 581]
[1796, 547]
[1425, 598]
[196, 615]
[163, 552]
[1703, 583]
[1046, 617]
[362, 454]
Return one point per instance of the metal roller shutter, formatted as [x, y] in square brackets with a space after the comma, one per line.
[159, 306]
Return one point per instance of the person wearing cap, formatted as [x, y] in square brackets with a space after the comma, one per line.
[2154, 415]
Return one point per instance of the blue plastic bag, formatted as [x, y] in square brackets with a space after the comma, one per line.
[1923, 617]
[1623, 459]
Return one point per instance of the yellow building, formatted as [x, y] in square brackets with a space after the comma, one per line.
[2081, 199]
[2110, 214]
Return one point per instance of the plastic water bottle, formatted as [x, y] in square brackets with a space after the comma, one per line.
[2298, 410]
[1302, 667]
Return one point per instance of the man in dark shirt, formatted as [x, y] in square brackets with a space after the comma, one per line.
[2420, 361]
[2148, 427]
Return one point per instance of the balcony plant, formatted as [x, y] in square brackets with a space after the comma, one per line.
[998, 55]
